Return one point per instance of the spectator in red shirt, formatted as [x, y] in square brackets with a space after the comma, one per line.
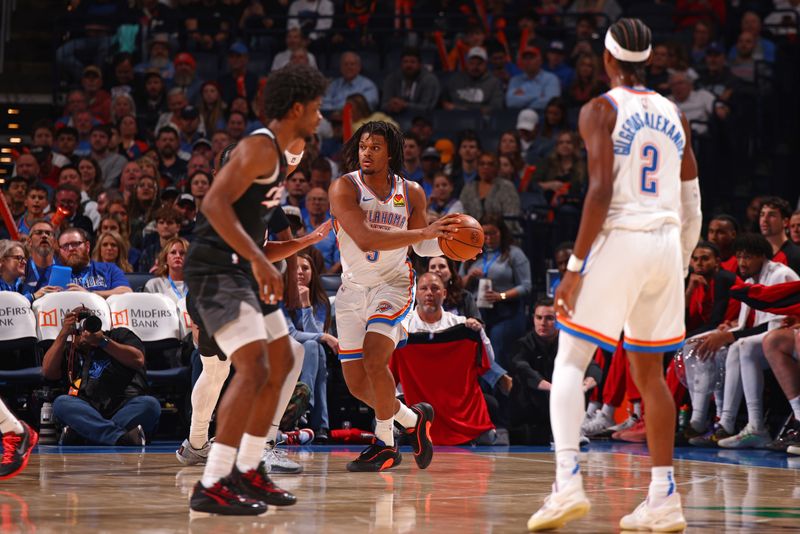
[99, 99]
[722, 231]
[708, 303]
[773, 221]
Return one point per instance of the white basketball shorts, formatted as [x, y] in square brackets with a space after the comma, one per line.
[383, 309]
[632, 283]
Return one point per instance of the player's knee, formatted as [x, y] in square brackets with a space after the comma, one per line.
[374, 364]
[778, 343]
[254, 369]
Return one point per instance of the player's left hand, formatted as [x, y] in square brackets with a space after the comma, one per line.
[567, 294]
[444, 227]
[320, 232]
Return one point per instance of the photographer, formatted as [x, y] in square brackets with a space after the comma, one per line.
[106, 402]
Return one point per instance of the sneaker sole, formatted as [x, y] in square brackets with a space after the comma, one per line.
[285, 470]
[354, 467]
[575, 512]
[185, 461]
[674, 527]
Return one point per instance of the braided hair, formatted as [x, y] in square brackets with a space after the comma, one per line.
[394, 145]
[633, 35]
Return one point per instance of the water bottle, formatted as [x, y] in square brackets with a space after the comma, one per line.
[47, 430]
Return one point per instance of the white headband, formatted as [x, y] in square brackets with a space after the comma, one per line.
[625, 55]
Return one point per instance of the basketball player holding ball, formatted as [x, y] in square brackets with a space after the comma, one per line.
[377, 215]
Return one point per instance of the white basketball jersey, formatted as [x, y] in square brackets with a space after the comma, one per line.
[373, 267]
[649, 141]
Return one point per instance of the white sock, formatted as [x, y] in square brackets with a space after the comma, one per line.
[251, 448]
[8, 421]
[637, 408]
[593, 407]
[795, 404]
[219, 464]
[405, 416]
[205, 396]
[272, 436]
[608, 411]
[384, 431]
[287, 389]
[566, 395]
[567, 467]
[662, 484]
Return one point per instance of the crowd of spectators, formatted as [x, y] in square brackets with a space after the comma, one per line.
[155, 90]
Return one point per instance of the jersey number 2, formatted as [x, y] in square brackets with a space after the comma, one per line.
[649, 170]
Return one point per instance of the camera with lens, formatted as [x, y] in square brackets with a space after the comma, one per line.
[88, 321]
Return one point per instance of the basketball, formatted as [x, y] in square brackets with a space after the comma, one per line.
[467, 243]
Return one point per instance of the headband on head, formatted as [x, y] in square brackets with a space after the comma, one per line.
[625, 55]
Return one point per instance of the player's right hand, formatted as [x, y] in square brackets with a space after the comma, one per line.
[444, 227]
[270, 281]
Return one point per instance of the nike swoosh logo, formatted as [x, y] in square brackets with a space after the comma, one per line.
[367, 199]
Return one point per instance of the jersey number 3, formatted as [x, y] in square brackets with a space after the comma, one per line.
[650, 170]
[372, 256]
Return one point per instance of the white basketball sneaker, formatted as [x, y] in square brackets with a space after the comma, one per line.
[560, 507]
[665, 518]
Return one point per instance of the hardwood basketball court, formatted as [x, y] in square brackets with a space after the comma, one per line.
[478, 490]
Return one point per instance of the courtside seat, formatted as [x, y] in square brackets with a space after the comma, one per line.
[51, 308]
[19, 362]
[154, 318]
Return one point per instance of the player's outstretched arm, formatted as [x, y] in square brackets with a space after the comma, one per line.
[348, 213]
[279, 250]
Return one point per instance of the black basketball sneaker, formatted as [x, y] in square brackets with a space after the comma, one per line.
[17, 450]
[225, 497]
[376, 457]
[421, 434]
[257, 485]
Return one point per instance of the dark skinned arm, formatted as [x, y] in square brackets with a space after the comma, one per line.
[348, 213]
[596, 123]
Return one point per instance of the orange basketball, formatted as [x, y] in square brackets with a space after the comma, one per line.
[467, 243]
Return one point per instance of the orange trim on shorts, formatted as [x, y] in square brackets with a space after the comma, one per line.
[587, 331]
[410, 298]
[659, 343]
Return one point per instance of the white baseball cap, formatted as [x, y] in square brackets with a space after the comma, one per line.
[527, 120]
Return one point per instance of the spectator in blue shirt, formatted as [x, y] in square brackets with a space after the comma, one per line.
[555, 64]
[41, 245]
[534, 87]
[765, 49]
[317, 206]
[104, 279]
[350, 82]
[411, 158]
[12, 268]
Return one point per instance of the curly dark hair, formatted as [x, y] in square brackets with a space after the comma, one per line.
[292, 83]
[394, 144]
[752, 243]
